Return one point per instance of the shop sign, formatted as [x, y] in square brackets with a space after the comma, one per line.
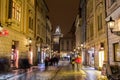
[4, 32]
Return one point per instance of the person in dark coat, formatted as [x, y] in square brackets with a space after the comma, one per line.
[46, 62]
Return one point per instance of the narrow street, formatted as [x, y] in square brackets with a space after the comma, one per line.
[66, 73]
[61, 72]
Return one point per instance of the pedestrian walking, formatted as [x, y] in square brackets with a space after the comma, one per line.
[78, 61]
[73, 63]
[46, 62]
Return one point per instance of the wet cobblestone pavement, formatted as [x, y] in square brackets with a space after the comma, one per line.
[62, 72]
[66, 73]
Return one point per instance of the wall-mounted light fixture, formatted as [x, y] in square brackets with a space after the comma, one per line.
[78, 47]
[111, 26]
[9, 22]
[101, 46]
[29, 42]
[82, 45]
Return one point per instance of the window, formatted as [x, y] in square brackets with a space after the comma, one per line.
[100, 21]
[10, 9]
[16, 11]
[116, 49]
[91, 30]
[30, 23]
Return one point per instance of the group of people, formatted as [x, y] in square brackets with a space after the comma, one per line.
[53, 61]
[76, 63]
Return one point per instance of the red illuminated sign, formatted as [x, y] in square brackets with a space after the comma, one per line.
[4, 33]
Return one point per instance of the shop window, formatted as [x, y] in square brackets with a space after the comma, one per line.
[101, 58]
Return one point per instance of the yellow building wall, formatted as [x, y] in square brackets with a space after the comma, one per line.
[18, 31]
[94, 8]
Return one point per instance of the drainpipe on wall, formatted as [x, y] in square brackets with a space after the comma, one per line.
[107, 33]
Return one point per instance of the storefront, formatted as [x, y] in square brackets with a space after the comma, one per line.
[91, 57]
[101, 58]
[14, 54]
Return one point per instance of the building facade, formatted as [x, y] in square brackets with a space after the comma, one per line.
[113, 11]
[96, 34]
[82, 13]
[20, 29]
[66, 46]
[41, 11]
[18, 18]
[67, 43]
[49, 38]
[78, 31]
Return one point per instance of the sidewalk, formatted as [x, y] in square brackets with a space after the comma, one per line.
[93, 74]
[5, 76]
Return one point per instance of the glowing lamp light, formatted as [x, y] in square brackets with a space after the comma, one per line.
[30, 40]
[111, 24]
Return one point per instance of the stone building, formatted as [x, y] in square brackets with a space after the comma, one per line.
[41, 11]
[49, 37]
[82, 13]
[67, 43]
[17, 16]
[18, 36]
[113, 11]
[95, 41]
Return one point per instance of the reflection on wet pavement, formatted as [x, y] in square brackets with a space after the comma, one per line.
[67, 74]
[53, 73]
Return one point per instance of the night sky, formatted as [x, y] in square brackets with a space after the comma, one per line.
[62, 13]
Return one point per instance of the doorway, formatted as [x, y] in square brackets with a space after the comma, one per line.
[101, 58]
[14, 54]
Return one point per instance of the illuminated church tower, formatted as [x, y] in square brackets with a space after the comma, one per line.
[56, 39]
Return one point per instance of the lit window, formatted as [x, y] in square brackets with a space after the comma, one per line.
[16, 11]
[13, 10]
[30, 23]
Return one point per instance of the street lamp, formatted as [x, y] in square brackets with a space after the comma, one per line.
[111, 24]
[114, 28]
[29, 42]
